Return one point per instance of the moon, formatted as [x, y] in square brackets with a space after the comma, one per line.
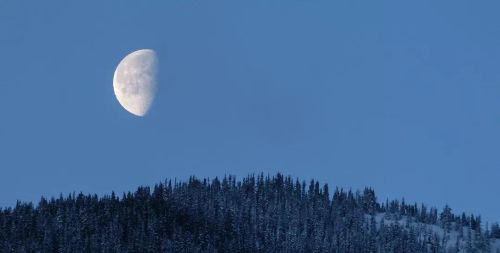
[135, 81]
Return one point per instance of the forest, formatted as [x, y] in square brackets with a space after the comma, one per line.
[259, 213]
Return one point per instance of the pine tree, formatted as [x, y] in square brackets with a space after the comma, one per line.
[446, 218]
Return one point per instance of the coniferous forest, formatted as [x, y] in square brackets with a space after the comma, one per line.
[257, 214]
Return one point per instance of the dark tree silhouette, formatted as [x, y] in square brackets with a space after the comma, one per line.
[257, 214]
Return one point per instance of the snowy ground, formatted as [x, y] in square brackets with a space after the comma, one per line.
[450, 236]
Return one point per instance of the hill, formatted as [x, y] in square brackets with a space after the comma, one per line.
[256, 214]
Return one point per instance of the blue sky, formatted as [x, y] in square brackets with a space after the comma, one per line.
[403, 96]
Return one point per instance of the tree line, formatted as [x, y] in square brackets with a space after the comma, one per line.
[256, 214]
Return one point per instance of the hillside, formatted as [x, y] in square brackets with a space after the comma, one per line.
[256, 214]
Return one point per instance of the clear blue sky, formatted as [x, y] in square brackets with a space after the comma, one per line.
[403, 96]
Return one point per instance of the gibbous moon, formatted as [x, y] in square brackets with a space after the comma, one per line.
[135, 81]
